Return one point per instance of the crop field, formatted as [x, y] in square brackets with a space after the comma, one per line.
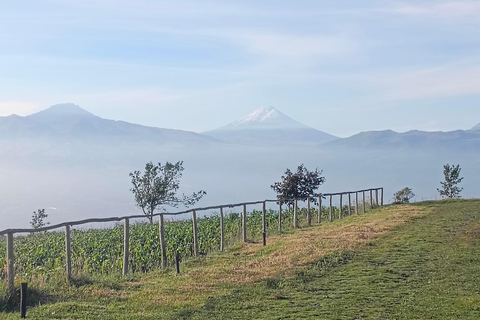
[101, 250]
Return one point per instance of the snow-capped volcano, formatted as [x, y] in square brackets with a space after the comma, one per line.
[268, 117]
[267, 125]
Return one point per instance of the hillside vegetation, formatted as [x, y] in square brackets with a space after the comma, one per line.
[417, 261]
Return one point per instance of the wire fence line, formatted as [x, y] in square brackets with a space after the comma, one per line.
[375, 199]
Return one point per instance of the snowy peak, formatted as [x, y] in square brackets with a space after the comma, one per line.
[476, 128]
[267, 117]
[268, 126]
[264, 114]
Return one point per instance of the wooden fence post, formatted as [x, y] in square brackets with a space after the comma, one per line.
[371, 199]
[376, 197]
[195, 233]
[68, 253]
[331, 213]
[222, 230]
[10, 264]
[356, 203]
[349, 204]
[340, 209]
[264, 225]
[161, 227]
[320, 209]
[126, 244]
[244, 223]
[177, 261]
[381, 198]
[23, 300]
[295, 208]
[363, 202]
[279, 216]
[309, 214]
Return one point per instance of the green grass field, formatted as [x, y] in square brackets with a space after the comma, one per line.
[418, 261]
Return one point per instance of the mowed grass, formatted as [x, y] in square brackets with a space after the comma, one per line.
[417, 261]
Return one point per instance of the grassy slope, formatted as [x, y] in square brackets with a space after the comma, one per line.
[401, 262]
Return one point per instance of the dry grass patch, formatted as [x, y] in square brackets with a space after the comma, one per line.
[311, 244]
[216, 274]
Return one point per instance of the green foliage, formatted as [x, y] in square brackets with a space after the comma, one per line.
[158, 186]
[100, 251]
[298, 185]
[403, 196]
[38, 219]
[40, 254]
[449, 188]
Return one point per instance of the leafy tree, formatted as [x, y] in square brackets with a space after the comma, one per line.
[403, 196]
[158, 186]
[298, 185]
[38, 219]
[452, 179]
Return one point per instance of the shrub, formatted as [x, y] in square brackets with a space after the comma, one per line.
[403, 196]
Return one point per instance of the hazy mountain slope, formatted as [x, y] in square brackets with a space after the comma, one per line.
[267, 125]
[476, 128]
[69, 121]
[66, 133]
[458, 140]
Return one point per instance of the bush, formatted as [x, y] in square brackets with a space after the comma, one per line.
[403, 196]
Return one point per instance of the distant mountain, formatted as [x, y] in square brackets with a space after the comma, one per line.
[476, 128]
[267, 125]
[458, 140]
[76, 164]
[69, 121]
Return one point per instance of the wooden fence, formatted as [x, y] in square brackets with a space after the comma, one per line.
[67, 225]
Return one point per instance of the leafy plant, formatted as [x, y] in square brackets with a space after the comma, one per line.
[38, 219]
[452, 179]
[158, 186]
[298, 185]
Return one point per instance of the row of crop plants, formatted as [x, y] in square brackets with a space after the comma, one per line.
[101, 250]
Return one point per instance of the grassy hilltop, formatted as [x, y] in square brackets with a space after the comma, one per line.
[418, 261]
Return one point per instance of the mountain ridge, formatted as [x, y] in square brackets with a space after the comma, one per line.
[69, 121]
[463, 140]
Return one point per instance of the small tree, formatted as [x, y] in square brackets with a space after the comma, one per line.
[452, 179]
[38, 219]
[403, 196]
[298, 185]
[158, 186]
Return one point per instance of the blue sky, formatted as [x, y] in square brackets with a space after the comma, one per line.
[338, 66]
